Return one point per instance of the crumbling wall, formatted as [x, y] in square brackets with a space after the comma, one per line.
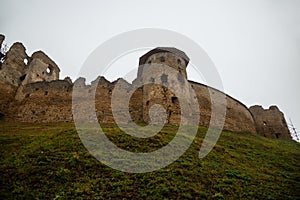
[20, 69]
[10, 71]
[43, 102]
[270, 122]
[14, 65]
[103, 100]
[31, 92]
[7, 96]
[40, 68]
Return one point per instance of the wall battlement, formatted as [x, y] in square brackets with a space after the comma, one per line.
[30, 91]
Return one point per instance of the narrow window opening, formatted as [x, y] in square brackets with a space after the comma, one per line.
[25, 61]
[180, 78]
[174, 100]
[164, 79]
[49, 69]
[152, 80]
[162, 59]
[265, 123]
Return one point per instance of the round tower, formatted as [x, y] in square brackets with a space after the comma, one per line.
[165, 55]
[161, 79]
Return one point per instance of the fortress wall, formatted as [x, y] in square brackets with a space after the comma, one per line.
[43, 102]
[103, 104]
[238, 117]
[23, 98]
[52, 101]
[103, 100]
[7, 96]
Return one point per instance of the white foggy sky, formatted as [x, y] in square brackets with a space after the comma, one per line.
[255, 45]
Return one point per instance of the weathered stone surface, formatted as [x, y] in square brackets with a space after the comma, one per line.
[44, 102]
[14, 66]
[41, 97]
[40, 68]
[270, 122]
[168, 56]
[18, 68]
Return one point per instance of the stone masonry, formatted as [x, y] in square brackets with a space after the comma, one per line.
[30, 91]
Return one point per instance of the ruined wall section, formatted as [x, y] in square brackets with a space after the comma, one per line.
[102, 100]
[40, 68]
[31, 92]
[14, 65]
[52, 101]
[10, 71]
[270, 122]
[17, 70]
[43, 102]
[20, 69]
[7, 96]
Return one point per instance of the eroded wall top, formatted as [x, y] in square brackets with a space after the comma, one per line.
[20, 69]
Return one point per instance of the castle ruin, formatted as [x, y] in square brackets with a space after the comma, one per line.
[31, 91]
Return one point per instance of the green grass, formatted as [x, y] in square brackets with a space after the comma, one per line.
[48, 161]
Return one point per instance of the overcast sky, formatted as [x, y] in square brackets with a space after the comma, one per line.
[255, 45]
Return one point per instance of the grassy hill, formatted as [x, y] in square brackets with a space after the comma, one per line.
[48, 161]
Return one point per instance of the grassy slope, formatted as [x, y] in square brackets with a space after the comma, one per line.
[41, 161]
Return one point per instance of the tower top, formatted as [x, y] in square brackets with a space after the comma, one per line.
[173, 50]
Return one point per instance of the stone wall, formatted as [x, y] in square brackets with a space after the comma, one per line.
[238, 117]
[270, 122]
[43, 102]
[52, 101]
[40, 68]
[20, 69]
[14, 66]
[31, 93]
